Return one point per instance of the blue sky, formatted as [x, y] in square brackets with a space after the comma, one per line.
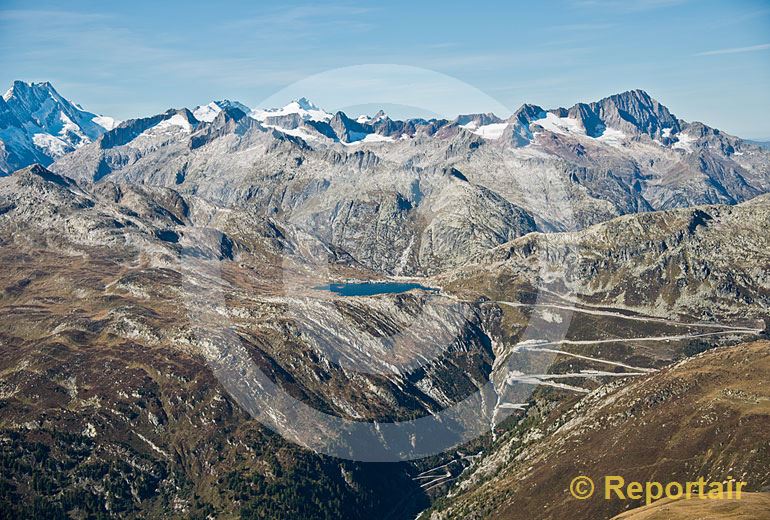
[706, 60]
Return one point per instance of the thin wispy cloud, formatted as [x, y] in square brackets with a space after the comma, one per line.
[735, 50]
[581, 27]
[575, 34]
[739, 17]
[145, 63]
[442, 45]
[624, 5]
[52, 16]
[306, 20]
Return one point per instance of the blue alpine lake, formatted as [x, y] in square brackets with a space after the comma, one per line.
[372, 288]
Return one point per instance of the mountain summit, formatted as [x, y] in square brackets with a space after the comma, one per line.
[302, 108]
[634, 111]
[627, 115]
[43, 105]
[305, 104]
[37, 124]
[209, 112]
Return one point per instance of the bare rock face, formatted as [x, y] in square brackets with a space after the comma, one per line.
[467, 221]
[355, 182]
[658, 263]
[378, 217]
[633, 112]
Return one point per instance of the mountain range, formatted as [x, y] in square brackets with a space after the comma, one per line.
[109, 399]
[434, 192]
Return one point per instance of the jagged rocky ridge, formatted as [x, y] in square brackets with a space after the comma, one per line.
[419, 196]
[407, 197]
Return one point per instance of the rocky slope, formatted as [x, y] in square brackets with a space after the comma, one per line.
[451, 188]
[158, 267]
[109, 397]
[750, 507]
[660, 263]
[705, 417]
[110, 406]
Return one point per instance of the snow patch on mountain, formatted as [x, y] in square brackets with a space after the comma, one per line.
[207, 113]
[490, 131]
[51, 145]
[685, 142]
[612, 137]
[175, 121]
[106, 122]
[574, 127]
[560, 125]
[294, 132]
[302, 107]
[357, 138]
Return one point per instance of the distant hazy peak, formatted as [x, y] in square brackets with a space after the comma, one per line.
[210, 111]
[302, 107]
[305, 104]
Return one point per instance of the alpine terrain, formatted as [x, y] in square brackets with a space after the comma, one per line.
[585, 283]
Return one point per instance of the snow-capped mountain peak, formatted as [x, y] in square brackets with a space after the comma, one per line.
[37, 124]
[41, 103]
[612, 121]
[305, 104]
[302, 107]
[208, 113]
[23, 89]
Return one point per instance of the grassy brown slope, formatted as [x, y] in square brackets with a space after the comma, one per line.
[708, 416]
[104, 414]
[752, 506]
